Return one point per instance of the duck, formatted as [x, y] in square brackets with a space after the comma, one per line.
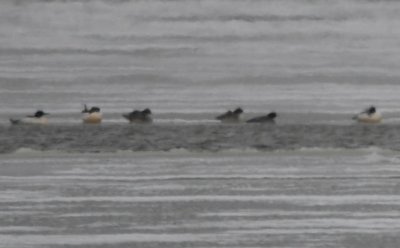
[137, 116]
[269, 118]
[369, 115]
[92, 115]
[230, 116]
[38, 118]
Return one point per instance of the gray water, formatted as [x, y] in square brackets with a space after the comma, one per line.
[314, 179]
[199, 138]
[199, 56]
[305, 198]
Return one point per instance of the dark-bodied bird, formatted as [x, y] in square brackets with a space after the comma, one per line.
[137, 116]
[230, 116]
[269, 118]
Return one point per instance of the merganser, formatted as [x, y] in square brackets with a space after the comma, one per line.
[138, 116]
[230, 116]
[92, 115]
[370, 115]
[38, 118]
[269, 118]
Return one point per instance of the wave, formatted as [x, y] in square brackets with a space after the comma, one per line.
[197, 138]
[245, 18]
[147, 51]
[373, 153]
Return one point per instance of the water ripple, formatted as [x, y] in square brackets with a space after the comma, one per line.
[208, 137]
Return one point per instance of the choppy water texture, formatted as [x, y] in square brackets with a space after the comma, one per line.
[214, 138]
[307, 198]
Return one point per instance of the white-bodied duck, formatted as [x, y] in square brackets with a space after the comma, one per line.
[269, 118]
[92, 115]
[370, 115]
[140, 117]
[230, 116]
[38, 118]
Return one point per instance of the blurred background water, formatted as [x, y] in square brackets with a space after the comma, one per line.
[199, 56]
